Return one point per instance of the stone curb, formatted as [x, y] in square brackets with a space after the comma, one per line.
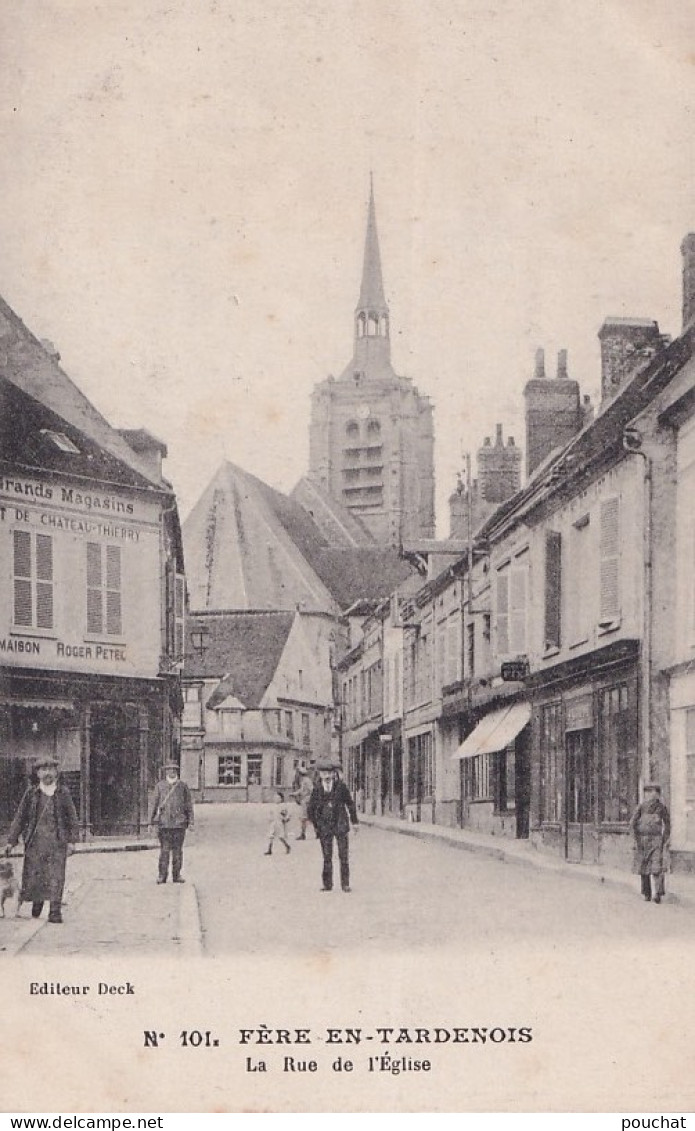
[533, 860]
[191, 930]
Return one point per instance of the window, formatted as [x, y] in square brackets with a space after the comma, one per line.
[609, 552]
[470, 649]
[352, 429]
[61, 441]
[553, 588]
[420, 768]
[191, 693]
[502, 612]
[229, 769]
[306, 730]
[278, 764]
[33, 580]
[254, 769]
[289, 725]
[511, 594]
[552, 762]
[618, 747]
[517, 610]
[489, 777]
[103, 589]
[179, 601]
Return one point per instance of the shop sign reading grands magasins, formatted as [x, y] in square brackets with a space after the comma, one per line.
[80, 569]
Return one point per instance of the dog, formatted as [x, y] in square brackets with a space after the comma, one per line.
[8, 887]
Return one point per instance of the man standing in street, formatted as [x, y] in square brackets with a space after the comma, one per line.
[172, 813]
[331, 810]
[651, 828]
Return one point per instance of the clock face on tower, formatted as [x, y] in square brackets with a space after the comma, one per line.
[363, 411]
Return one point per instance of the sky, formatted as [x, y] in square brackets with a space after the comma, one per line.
[184, 194]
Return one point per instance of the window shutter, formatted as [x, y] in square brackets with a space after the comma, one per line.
[44, 581]
[95, 615]
[503, 613]
[22, 578]
[610, 558]
[517, 602]
[113, 591]
[553, 588]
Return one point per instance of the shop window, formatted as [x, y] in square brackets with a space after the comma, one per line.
[103, 589]
[552, 762]
[254, 769]
[618, 747]
[420, 768]
[33, 580]
[229, 769]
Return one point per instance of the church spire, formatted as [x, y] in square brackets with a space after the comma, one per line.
[372, 312]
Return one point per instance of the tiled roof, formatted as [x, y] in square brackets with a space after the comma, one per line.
[250, 546]
[241, 649]
[25, 440]
[26, 363]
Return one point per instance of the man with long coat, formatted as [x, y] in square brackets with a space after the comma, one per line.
[651, 827]
[171, 813]
[46, 821]
[331, 811]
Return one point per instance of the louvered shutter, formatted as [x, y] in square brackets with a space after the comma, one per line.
[44, 581]
[553, 588]
[95, 612]
[113, 591]
[503, 613]
[22, 579]
[517, 610]
[610, 559]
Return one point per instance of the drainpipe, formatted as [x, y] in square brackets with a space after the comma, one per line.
[632, 443]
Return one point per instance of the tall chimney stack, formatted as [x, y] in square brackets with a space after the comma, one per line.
[553, 411]
[688, 253]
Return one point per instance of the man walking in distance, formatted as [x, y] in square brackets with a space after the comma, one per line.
[651, 828]
[331, 810]
[172, 813]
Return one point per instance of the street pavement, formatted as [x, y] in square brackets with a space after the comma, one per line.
[407, 892]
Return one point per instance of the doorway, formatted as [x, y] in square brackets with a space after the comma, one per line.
[580, 797]
[114, 770]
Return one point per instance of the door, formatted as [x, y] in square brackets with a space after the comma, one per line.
[254, 777]
[115, 770]
[522, 782]
[580, 797]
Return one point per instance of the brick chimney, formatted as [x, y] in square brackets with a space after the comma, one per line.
[151, 450]
[626, 345]
[688, 253]
[499, 468]
[553, 410]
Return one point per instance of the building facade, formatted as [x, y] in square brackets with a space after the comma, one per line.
[258, 700]
[371, 433]
[91, 630]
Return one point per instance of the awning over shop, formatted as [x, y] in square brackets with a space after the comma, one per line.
[495, 731]
[65, 705]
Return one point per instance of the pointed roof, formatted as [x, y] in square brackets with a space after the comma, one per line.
[249, 546]
[372, 289]
[241, 649]
[26, 363]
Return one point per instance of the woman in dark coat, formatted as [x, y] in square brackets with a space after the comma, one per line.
[651, 828]
[47, 823]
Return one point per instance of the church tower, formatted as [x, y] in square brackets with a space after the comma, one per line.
[371, 435]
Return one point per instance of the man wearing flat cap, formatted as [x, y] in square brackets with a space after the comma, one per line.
[651, 827]
[172, 813]
[331, 811]
[47, 823]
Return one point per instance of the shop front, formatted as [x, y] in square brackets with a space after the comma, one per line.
[585, 756]
[109, 736]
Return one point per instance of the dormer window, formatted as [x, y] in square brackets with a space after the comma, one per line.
[61, 441]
